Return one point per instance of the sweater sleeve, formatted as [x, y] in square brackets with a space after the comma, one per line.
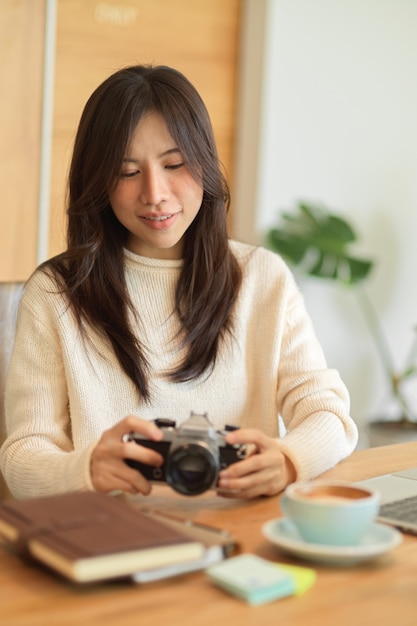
[38, 456]
[288, 376]
[311, 398]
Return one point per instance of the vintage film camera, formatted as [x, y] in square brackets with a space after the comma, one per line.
[194, 453]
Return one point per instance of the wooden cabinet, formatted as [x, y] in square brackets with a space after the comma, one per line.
[93, 39]
[21, 70]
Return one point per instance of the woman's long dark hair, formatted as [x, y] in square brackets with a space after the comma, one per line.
[91, 270]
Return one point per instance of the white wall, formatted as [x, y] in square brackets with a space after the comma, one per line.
[338, 125]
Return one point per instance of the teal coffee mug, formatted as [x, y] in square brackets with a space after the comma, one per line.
[330, 513]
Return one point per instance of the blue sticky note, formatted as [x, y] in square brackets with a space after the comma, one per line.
[252, 578]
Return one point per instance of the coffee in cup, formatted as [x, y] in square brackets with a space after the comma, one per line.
[330, 513]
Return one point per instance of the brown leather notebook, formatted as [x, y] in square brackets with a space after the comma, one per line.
[88, 536]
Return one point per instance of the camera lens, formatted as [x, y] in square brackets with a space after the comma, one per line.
[191, 469]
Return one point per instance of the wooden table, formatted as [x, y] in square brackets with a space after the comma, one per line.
[381, 592]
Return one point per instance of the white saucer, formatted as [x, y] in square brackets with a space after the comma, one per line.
[379, 539]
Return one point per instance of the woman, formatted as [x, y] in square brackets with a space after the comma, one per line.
[153, 312]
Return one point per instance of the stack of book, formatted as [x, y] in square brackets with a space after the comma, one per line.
[89, 537]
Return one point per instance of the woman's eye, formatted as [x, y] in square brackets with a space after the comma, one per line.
[174, 166]
[129, 174]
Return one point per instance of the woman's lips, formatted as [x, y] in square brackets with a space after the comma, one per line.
[160, 222]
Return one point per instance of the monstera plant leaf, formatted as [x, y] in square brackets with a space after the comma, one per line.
[318, 243]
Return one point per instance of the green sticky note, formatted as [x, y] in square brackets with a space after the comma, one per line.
[303, 577]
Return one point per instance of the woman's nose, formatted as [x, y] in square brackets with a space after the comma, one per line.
[154, 188]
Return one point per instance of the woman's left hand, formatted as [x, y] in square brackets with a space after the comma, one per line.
[264, 472]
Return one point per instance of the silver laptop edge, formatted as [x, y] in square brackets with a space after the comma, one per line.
[396, 487]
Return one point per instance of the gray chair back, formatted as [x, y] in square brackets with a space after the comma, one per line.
[10, 294]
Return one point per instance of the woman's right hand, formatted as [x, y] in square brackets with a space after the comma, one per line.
[108, 469]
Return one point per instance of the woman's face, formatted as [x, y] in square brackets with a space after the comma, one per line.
[156, 197]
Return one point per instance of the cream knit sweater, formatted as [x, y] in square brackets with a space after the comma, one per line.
[63, 392]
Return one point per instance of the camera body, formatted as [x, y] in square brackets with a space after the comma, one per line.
[194, 453]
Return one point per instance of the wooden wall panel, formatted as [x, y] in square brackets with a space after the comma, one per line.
[21, 69]
[198, 37]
